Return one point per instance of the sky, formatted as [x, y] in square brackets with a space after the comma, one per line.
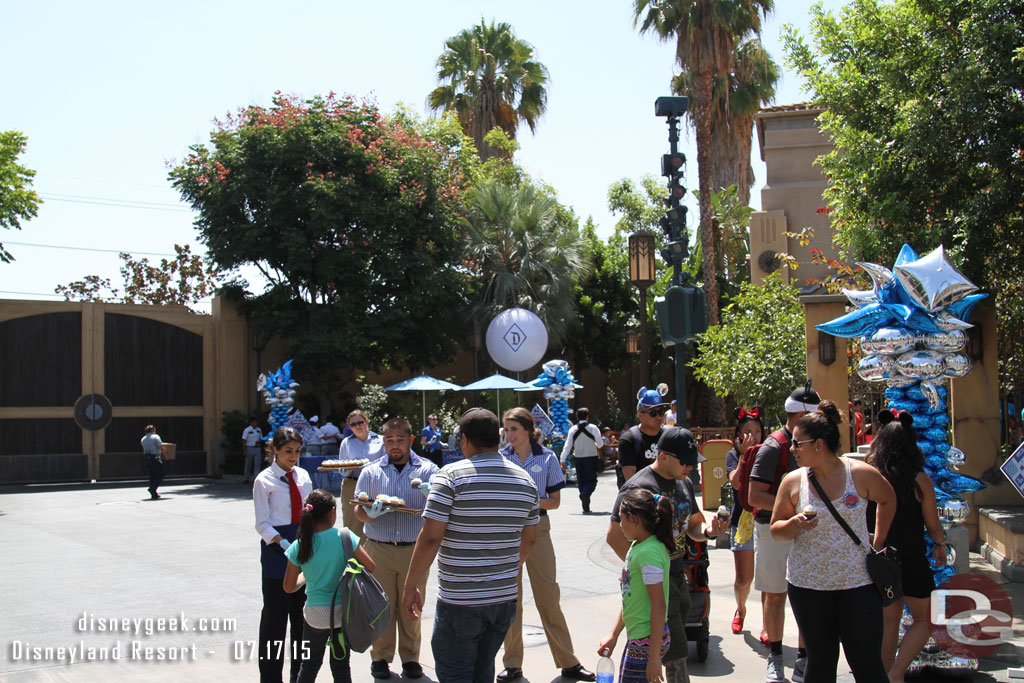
[111, 93]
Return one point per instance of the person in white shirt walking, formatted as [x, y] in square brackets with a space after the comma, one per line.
[252, 445]
[315, 441]
[583, 441]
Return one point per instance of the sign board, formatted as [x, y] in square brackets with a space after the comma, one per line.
[1013, 468]
[541, 419]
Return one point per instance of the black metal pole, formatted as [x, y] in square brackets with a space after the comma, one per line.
[643, 338]
[679, 279]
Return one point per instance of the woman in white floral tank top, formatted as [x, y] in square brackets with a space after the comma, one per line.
[832, 595]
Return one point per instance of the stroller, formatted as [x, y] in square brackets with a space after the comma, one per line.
[698, 625]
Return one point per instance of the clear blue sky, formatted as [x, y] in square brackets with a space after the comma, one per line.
[109, 93]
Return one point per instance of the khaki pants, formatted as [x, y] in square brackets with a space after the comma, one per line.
[546, 596]
[348, 514]
[392, 568]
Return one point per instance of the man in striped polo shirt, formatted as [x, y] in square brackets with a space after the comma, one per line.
[482, 514]
[390, 537]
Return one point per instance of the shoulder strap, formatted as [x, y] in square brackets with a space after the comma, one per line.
[828, 504]
[637, 437]
[581, 428]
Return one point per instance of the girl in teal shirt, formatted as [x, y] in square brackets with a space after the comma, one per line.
[320, 557]
[646, 520]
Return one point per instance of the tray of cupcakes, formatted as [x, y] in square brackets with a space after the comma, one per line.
[342, 465]
[394, 502]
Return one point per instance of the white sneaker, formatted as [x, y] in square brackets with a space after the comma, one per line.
[775, 673]
[798, 669]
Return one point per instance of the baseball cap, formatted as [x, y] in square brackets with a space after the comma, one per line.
[480, 425]
[679, 443]
[803, 400]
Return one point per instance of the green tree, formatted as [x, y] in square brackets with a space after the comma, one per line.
[18, 201]
[490, 79]
[923, 104]
[756, 356]
[737, 97]
[522, 254]
[351, 216]
[182, 281]
[706, 33]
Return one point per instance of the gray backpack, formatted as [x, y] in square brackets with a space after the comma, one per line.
[360, 604]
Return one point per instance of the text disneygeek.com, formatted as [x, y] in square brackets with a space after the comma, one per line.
[134, 649]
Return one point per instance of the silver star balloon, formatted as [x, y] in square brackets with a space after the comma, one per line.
[933, 282]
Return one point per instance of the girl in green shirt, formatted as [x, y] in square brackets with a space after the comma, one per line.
[646, 520]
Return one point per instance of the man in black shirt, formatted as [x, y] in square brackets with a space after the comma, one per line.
[638, 446]
[668, 476]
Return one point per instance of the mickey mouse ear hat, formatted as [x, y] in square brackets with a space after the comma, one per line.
[651, 398]
[803, 400]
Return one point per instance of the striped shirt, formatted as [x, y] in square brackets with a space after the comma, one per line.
[542, 466]
[485, 501]
[382, 477]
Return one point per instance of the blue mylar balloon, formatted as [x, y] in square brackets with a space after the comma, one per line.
[896, 393]
[940, 409]
[935, 434]
[942, 496]
[922, 421]
[944, 574]
[921, 322]
[860, 322]
[940, 420]
[962, 309]
[914, 393]
[943, 392]
[927, 447]
[906, 255]
[941, 447]
[934, 462]
[959, 483]
[904, 404]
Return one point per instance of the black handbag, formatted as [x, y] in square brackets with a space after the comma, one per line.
[883, 565]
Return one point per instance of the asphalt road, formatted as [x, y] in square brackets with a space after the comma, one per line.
[99, 566]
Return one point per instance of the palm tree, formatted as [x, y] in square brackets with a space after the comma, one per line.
[737, 97]
[490, 78]
[706, 34]
[524, 257]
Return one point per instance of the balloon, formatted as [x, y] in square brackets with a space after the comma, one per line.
[932, 281]
[931, 394]
[946, 342]
[903, 404]
[860, 322]
[922, 421]
[900, 381]
[927, 448]
[894, 393]
[959, 483]
[517, 339]
[889, 340]
[955, 456]
[962, 309]
[861, 297]
[887, 287]
[875, 368]
[906, 255]
[948, 321]
[958, 365]
[935, 434]
[921, 365]
[940, 420]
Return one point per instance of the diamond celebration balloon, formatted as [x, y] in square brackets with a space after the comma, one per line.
[932, 282]
[875, 368]
[921, 365]
[948, 342]
[889, 340]
[958, 365]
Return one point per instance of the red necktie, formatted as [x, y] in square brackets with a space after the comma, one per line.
[293, 489]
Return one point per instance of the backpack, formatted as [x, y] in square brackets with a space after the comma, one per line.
[746, 464]
[361, 605]
[581, 428]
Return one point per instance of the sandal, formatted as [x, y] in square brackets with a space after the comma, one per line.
[737, 622]
[765, 641]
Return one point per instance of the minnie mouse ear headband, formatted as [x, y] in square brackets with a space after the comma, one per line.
[890, 414]
[744, 413]
[803, 400]
[651, 398]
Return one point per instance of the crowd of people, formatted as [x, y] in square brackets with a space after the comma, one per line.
[798, 531]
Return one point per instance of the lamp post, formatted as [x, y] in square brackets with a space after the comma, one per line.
[632, 348]
[642, 275]
[258, 343]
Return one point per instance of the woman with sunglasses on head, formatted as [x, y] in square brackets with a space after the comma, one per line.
[749, 432]
[834, 599]
[896, 455]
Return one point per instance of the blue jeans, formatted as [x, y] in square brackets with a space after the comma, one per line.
[316, 640]
[466, 640]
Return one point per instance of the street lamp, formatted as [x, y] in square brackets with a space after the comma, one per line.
[258, 343]
[632, 344]
[642, 274]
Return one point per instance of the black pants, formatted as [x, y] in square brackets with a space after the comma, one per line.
[586, 478]
[678, 614]
[315, 639]
[279, 610]
[852, 617]
[155, 467]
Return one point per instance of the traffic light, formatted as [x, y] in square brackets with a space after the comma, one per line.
[680, 314]
[673, 164]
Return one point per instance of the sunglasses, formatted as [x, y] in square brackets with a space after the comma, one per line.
[360, 423]
[797, 444]
[656, 412]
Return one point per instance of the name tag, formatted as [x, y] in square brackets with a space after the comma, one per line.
[537, 468]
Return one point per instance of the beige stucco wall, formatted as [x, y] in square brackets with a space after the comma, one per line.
[831, 381]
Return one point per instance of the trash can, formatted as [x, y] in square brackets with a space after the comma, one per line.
[713, 471]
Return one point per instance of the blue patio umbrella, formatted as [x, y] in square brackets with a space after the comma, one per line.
[423, 384]
[497, 382]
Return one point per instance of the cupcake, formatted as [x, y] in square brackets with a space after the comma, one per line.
[363, 496]
[723, 512]
[809, 512]
[416, 482]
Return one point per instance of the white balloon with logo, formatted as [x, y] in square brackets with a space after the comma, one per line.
[517, 339]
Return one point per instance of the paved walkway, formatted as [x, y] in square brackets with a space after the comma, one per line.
[77, 555]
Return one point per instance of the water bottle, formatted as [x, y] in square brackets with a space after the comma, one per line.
[605, 670]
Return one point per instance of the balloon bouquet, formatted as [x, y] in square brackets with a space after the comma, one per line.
[557, 380]
[911, 328]
[279, 392]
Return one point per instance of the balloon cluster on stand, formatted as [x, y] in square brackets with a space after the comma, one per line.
[557, 380]
[279, 392]
[911, 329]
